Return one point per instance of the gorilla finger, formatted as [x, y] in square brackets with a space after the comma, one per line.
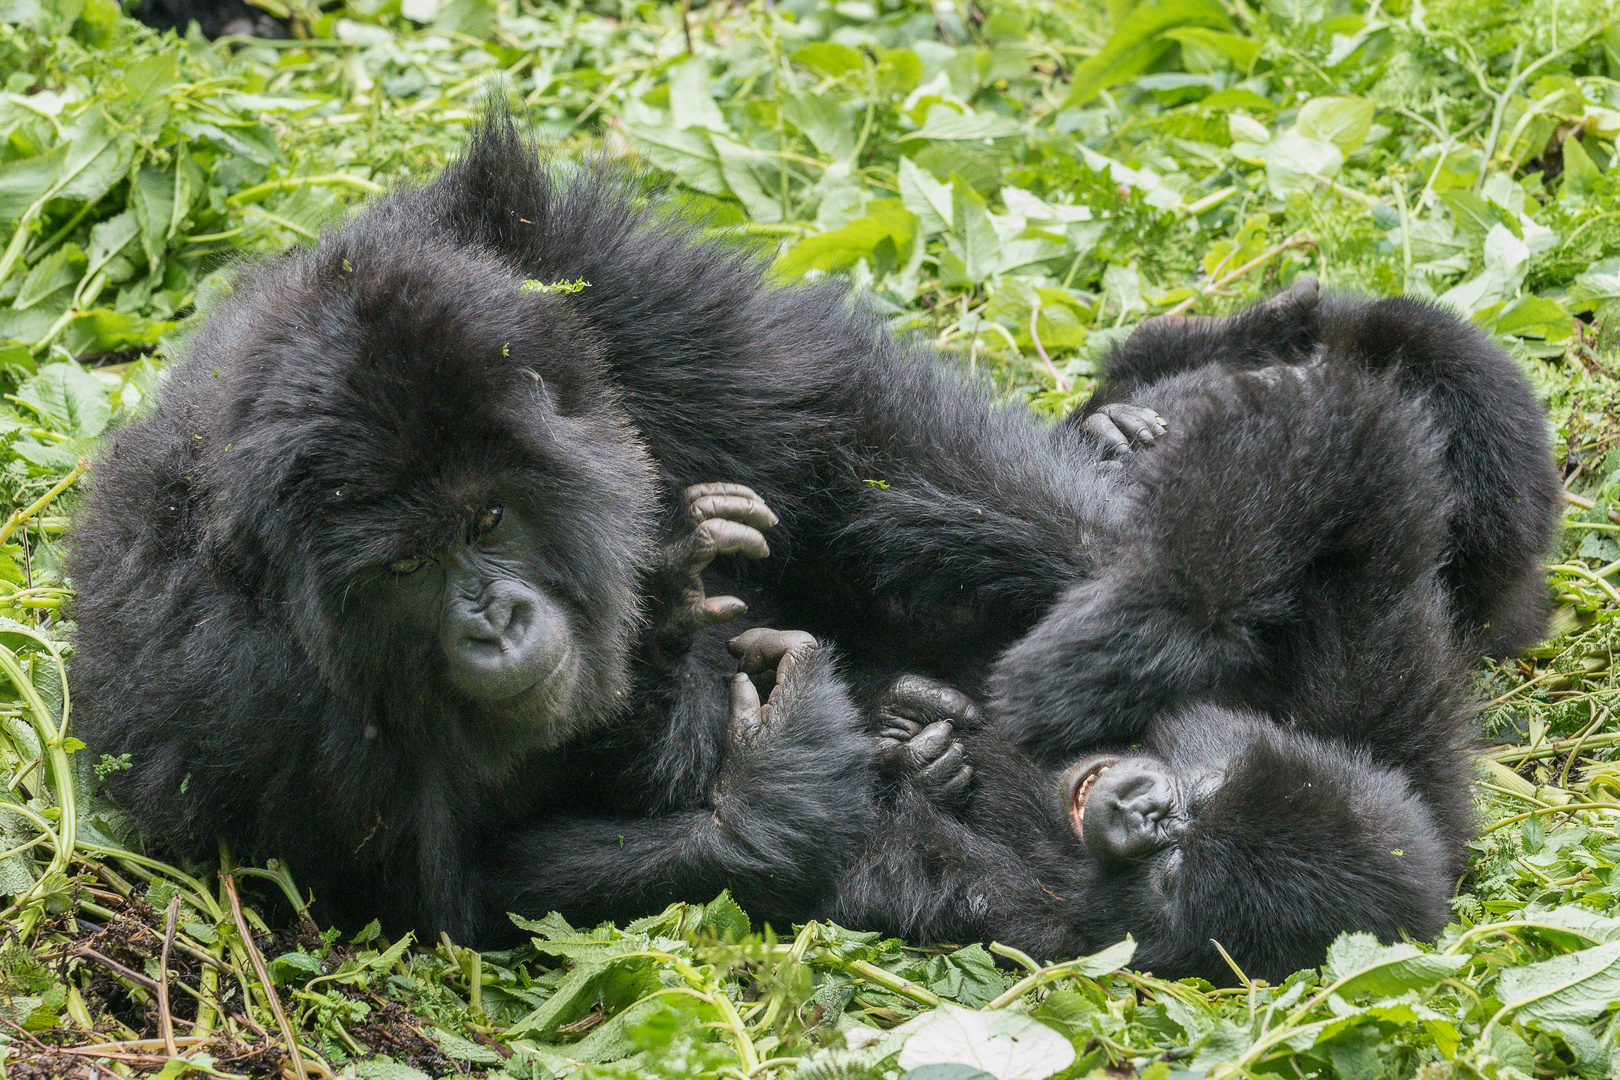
[949, 763]
[750, 510]
[1103, 428]
[722, 536]
[891, 751]
[953, 788]
[762, 648]
[898, 725]
[914, 698]
[700, 491]
[934, 740]
[1137, 423]
[718, 609]
[745, 715]
[795, 660]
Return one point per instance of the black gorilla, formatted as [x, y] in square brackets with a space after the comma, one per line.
[214, 18]
[361, 586]
[239, 645]
[1267, 821]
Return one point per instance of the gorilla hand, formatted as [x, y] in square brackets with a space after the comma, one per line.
[1117, 426]
[724, 519]
[918, 718]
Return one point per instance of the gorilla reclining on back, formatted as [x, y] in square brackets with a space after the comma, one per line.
[260, 649]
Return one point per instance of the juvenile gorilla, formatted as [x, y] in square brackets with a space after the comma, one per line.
[1267, 822]
[364, 584]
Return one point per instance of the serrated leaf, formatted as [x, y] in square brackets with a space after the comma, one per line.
[70, 398]
[1007, 1045]
[725, 919]
[24, 181]
[59, 270]
[1578, 986]
[1359, 965]
[752, 176]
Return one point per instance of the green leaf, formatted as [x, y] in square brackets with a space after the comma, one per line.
[860, 239]
[1581, 175]
[24, 181]
[59, 270]
[724, 919]
[293, 967]
[1343, 121]
[1131, 47]
[379, 1068]
[1537, 317]
[465, 1049]
[1578, 986]
[690, 103]
[827, 124]
[1597, 289]
[70, 398]
[945, 124]
[829, 58]
[1359, 965]
[687, 154]
[1005, 1044]
[1294, 161]
[924, 196]
[974, 249]
[752, 176]
[1241, 51]
[97, 158]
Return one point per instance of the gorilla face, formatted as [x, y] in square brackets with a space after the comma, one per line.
[1231, 829]
[452, 508]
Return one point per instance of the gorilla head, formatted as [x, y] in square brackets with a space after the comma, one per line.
[454, 509]
[1228, 828]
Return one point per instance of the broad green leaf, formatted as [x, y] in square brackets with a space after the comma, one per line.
[1342, 121]
[1359, 965]
[1538, 317]
[292, 967]
[1294, 161]
[687, 154]
[1507, 261]
[1581, 175]
[382, 1069]
[1005, 1044]
[61, 269]
[1577, 986]
[97, 158]
[152, 198]
[724, 919]
[829, 58]
[924, 196]
[1131, 46]
[71, 399]
[24, 181]
[690, 103]
[1597, 289]
[616, 983]
[1242, 51]
[754, 177]
[109, 238]
[464, 1049]
[973, 245]
[827, 124]
[841, 249]
[945, 124]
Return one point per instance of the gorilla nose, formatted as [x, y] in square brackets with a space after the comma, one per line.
[504, 642]
[1130, 813]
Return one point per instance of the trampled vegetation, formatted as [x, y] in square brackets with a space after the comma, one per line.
[1022, 181]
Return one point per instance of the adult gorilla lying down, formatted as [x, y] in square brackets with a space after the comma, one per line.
[364, 588]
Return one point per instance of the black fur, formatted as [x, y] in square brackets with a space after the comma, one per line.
[1505, 494]
[214, 18]
[241, 636]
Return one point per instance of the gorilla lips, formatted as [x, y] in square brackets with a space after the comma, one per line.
[1084, 780]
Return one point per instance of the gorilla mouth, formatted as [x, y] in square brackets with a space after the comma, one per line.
[1084, 780]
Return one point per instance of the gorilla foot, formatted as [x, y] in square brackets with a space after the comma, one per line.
[1118, 426]
[918, 718]
[724, 519]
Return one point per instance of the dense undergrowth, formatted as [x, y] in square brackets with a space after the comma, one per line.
[1022, 181]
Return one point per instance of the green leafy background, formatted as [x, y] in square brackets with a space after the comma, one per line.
[1023, 182]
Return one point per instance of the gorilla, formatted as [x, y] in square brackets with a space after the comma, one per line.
[363, 584]
[367, 587]
[214, 18]
[1263, 821]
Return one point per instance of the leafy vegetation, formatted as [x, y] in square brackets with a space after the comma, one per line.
[1021, 181]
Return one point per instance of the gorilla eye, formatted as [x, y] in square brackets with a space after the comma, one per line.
[487, 521]
[405, 567]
